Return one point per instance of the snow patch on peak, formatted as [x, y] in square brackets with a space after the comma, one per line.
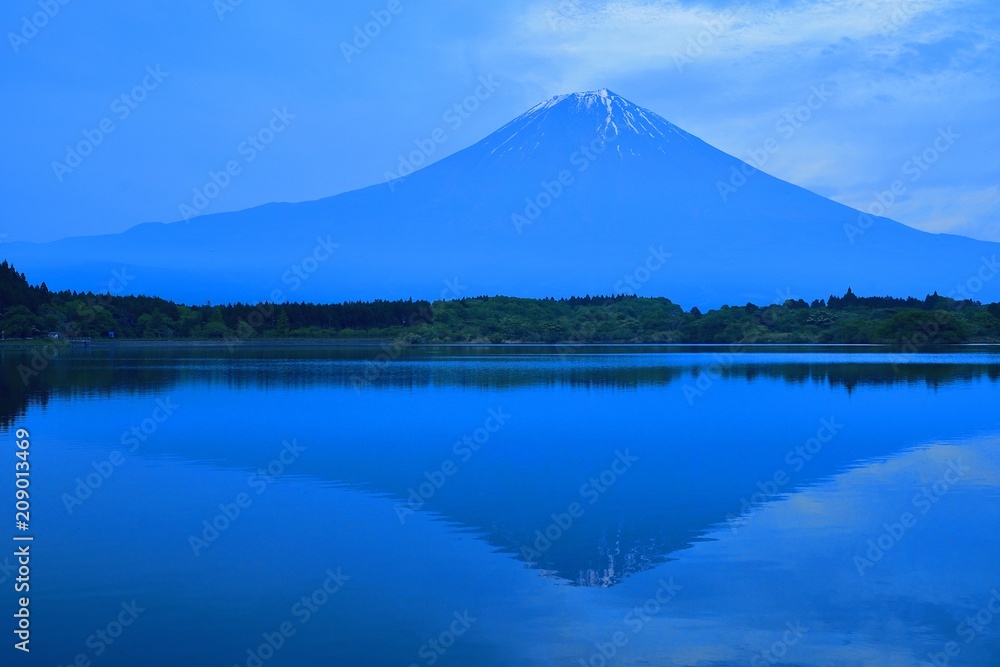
[583, 100]
[547, 104]
[602, 93]
[588, 100]
[587, 115]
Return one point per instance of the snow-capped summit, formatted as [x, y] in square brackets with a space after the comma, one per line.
[587, 116]
[602, 97]
[585, 193]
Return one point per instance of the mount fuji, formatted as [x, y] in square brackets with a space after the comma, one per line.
[586, 193]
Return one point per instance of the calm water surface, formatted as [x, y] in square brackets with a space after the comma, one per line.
[509, 506]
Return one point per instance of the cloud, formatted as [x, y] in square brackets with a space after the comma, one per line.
[727, 72]
[948, 210]
[626, 36]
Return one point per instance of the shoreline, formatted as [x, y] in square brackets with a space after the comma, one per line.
[369, 342]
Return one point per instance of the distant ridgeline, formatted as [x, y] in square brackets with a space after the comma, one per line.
[28, 311]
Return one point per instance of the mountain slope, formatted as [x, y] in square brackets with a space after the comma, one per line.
[584, 193]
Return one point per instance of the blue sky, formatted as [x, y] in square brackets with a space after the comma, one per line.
[162, 95]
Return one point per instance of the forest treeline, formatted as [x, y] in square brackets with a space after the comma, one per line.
[29, 311]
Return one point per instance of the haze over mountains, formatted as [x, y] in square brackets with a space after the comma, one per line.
[584, 194]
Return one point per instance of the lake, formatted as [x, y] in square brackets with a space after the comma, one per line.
[506, 506]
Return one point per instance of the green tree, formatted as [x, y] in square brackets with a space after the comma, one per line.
[919, 328]
[19, 322]
[188, 322]
[156, 325]
[282, 327]
[216, 329]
